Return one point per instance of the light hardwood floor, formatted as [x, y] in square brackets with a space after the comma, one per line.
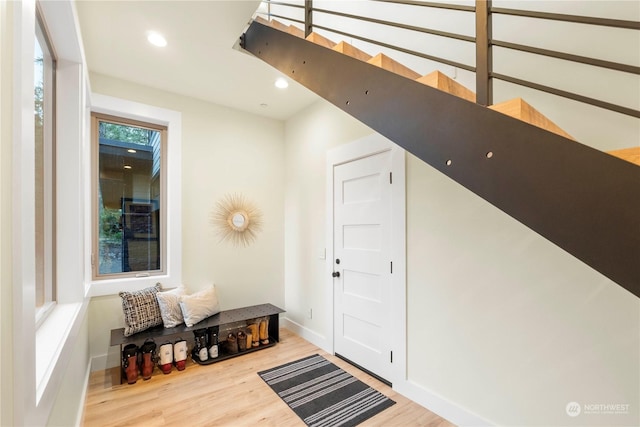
[228, 393]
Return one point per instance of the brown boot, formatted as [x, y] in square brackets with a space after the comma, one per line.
[242, 341]
[148, 350]
[231, 344]
[130, 362]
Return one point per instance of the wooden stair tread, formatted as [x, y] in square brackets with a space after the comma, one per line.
[445, 83]
[279, 25]
[383, 61]
[261, 20]
[352, 51]
[629, 154]
[298, 32]
[321, 40]
[520, 110]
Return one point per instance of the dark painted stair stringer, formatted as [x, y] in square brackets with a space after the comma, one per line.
[583, 200]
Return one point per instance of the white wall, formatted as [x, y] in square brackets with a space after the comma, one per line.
[308, 136]
[502, 324]
[223, 151]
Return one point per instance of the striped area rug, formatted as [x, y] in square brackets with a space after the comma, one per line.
[322, 394]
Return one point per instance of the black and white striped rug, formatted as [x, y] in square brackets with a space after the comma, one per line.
[324, 395]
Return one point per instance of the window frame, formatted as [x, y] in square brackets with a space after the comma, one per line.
[96, 118]
[46, 285]
[119, 107]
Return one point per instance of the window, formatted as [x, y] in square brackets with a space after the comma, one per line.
[44, 122]
[129, 231]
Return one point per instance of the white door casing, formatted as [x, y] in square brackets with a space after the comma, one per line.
[366, 212]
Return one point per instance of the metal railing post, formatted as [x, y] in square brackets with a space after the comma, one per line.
[484, 60]
[308, 17]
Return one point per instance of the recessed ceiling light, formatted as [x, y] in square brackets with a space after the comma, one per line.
[127, 166]
[131, 150]
[156, 39]
[281, 83]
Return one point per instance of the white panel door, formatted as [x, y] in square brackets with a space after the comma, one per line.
[362, 262]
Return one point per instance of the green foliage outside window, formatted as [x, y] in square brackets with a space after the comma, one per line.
[122, 133]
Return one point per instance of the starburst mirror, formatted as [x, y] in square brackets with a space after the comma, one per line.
[237, 220]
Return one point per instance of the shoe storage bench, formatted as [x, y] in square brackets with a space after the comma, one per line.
[228, 319]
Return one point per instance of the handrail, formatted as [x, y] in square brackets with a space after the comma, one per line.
[401, 49]
[398, 25]
[273, 15]
[576, 19]
[569, 95]
[458, 7]
[569, 57]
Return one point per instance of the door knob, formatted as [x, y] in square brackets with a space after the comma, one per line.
[336, 274]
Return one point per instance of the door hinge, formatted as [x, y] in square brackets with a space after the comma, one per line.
[391, 356]
[93, 260]
[390, 177]
[391, 267]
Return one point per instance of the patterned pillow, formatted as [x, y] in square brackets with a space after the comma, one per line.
[141, 310]
[169, 302]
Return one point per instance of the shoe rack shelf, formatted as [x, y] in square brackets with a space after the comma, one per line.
[161, 334]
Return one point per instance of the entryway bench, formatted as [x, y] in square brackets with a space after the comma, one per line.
[224, 319]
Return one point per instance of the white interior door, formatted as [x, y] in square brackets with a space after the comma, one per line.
[362, 262]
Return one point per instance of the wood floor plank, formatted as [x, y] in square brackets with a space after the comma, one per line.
[228, 393]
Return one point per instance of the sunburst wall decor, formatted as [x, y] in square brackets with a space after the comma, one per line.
[237, 220]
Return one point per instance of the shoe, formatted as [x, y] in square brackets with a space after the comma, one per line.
[231, 344]
[242, 341]
[148, 351]
[213, 343]
[180, 354]
[165, 354]
[200, 350]
[255, 338]
[130, 362]
[264, 331]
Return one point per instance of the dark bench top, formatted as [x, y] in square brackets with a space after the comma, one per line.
[222, 318]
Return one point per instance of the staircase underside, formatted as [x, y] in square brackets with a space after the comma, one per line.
[583, 200]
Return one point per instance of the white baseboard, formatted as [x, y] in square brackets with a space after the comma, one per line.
[439, 405]
[306, 333]
[99, 363]
[105, 361]
[83, 396]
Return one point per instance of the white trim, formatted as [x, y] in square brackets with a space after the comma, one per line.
[83, 395]
[22, 214]
[312, 336]
[173, 120]
[367, 146]
[439, 405]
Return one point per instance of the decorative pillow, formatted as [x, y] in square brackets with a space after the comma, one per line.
[169, 302]
[200, 305]
[141, 310]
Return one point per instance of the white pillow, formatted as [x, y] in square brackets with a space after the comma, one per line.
[200, 305]
[169, 302]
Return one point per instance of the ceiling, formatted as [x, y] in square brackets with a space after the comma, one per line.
[199, 60]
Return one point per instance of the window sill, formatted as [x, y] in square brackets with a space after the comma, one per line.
[54, 338]
[106, 287]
